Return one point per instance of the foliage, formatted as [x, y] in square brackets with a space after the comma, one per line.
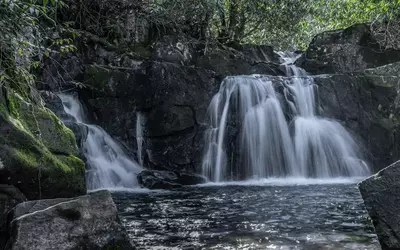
[281, 23]
[28, 33]
[339, 14]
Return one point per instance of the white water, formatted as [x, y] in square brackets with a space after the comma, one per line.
[139, 137]
[287, 181]
[110, 167]
[280, 134]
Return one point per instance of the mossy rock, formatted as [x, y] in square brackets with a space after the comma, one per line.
[37, 150]
[43, 124]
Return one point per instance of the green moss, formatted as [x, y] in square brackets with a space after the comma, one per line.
[45, 126]
[3, 109]
[71, 171]
[358, 238]
[27, 153]
[26, 158]
[67, 137]
[14, 102]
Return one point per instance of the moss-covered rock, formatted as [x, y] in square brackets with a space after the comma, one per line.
[37, 150]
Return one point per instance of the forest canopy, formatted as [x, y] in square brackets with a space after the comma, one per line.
[33, 29]
[281, 23]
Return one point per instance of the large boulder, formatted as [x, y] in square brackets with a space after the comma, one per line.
[37, 150]
[153, 179]
[350, 50]
[10, 196]
[86, 222]
[382, 200]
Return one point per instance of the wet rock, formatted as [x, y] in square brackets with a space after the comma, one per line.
[54, 103]
[86, 222]
[153, 179]
[381, 198]
[259, 53]
[173, 100]
[61, 72]
[10, 196]
[175, 50]
[158, 180]
[37, 150]
[350, 50]
[191, 179]
[227, 61]
[369, 105]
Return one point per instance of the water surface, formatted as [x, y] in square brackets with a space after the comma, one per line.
[330, 216]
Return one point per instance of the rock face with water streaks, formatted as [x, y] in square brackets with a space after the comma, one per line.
[381, 197]
[171, 81]
[86, 222]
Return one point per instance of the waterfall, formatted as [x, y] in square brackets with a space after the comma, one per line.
[258, 129]
[139, 137]
[109, 166]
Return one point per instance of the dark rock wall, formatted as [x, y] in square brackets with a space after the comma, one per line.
[170, 80]
[368, 105]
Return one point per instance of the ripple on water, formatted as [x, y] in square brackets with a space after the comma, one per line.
[248, 217]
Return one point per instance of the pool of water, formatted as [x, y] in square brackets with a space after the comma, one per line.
[318, 216]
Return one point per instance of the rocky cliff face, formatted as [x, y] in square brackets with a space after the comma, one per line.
[170, 81]
[172, 91]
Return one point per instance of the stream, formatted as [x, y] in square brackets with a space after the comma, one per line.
[249, 216]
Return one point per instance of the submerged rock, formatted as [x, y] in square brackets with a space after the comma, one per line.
[86, 222]
[382, 200]
[153, 179]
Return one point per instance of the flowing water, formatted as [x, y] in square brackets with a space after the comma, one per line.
[259, 128]
[108, 164]
[139, 137]
[277, 215]
[299, 190]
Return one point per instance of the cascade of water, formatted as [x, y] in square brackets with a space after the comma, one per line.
[109, 166]
[139, 137]
[252, 100]
[250, 106]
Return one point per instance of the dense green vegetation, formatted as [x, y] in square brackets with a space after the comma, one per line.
[29, 31]
[32, 29]
[281, 23]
